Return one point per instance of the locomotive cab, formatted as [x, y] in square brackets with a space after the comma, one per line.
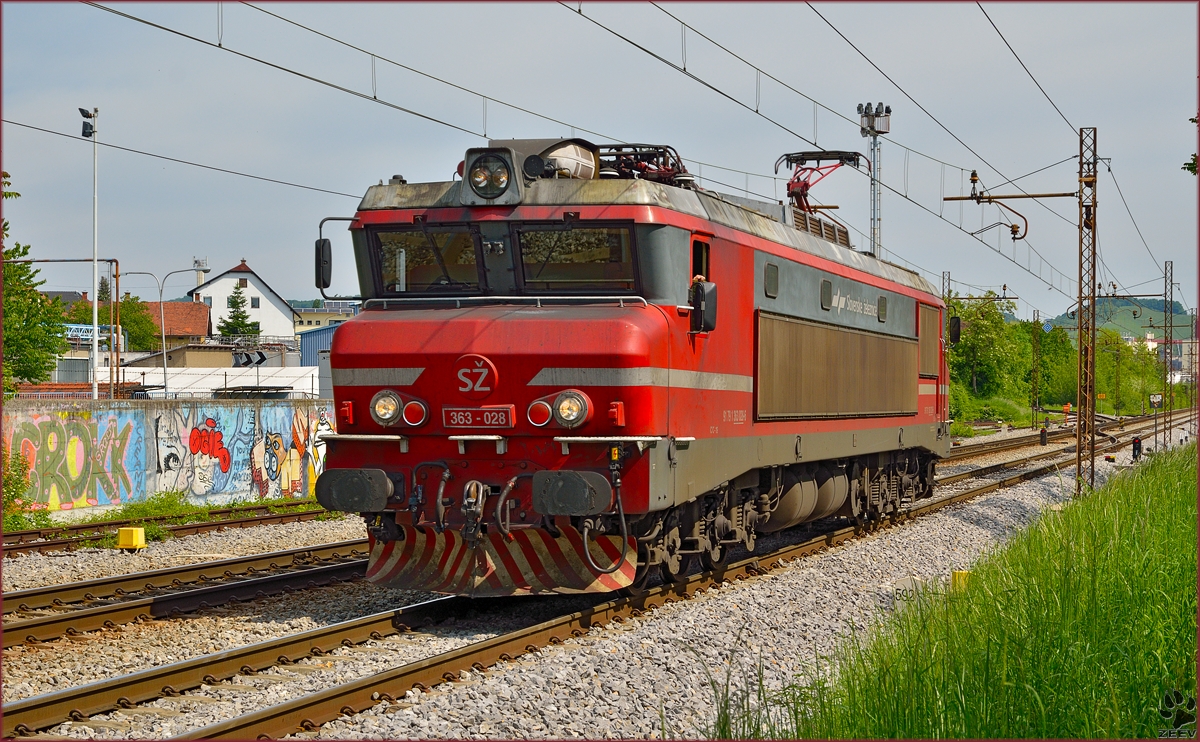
[543, 394]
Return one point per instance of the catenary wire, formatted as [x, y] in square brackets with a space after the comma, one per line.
[768, 75]
[428, 75]
[513, 106]
[676, 67]
[184, 162]
[683, 71]
[375, 99]
[1022, 63]
[288, 70]
[1130, 212]
[926, 112]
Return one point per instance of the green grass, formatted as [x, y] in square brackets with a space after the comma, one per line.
[1076, 628]
[174, 506]
[962, 430]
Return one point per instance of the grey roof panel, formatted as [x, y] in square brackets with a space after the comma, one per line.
[702, 204]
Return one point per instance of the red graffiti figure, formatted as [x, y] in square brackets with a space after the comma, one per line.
[209, 441]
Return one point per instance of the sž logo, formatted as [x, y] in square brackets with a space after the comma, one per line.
[475, 376]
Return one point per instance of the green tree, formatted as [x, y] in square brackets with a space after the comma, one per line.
[33, 324]
[982, 356]
[105, 292]
[237, 322]
[1191, 166]
[135, 321]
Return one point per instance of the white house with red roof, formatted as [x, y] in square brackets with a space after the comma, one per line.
[275, 317]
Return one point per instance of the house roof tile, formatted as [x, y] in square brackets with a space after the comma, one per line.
[183, 318]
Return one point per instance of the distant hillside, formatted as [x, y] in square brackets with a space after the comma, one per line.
[1117, 315]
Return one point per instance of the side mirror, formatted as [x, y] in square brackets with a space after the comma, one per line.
[955, 329]
[324, 273]
[704, 307]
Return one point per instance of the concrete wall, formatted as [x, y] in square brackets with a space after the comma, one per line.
[86, 454]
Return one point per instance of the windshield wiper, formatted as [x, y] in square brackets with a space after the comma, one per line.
[437, 255]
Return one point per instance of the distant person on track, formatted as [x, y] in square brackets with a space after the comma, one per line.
[1137, 448]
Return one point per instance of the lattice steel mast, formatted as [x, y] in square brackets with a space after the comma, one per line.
[1168, 345]
[1085, 420]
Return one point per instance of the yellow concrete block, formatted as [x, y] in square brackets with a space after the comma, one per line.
[958, 579]
[131, 539]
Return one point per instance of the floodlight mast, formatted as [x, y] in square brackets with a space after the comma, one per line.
[875, 121]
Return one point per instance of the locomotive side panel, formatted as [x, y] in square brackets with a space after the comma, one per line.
[807, 369]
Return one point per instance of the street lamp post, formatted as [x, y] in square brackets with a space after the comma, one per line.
[89, 131]
[162, 315]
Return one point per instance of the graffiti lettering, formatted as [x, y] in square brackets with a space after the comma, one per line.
[208, 442]
[75, 463]
[88, 454]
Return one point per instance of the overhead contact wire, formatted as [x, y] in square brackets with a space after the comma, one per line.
[288, 70]
[1022, 63]
[184, 162]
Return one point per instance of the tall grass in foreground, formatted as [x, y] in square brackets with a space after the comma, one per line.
[1076, 628]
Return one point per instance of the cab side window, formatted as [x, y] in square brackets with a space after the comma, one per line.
[700, 260]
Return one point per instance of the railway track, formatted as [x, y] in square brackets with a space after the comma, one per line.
[52, 539]
[1032, 439]
[292, 569]
[309, 712]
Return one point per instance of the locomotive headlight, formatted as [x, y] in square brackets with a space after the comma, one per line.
[571, 408]
[489, 176]
[385, 407]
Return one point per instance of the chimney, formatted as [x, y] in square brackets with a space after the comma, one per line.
[201, 267]
[85, 296]
[125, 297]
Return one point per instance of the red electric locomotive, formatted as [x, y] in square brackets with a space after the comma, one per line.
[544, 394]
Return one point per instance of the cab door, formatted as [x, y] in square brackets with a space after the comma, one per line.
[686, 411]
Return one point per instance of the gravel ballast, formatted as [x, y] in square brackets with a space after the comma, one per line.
[37, 570]
[636, 679]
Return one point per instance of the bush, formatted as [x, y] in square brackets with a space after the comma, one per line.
[16, 486]
[962, 430]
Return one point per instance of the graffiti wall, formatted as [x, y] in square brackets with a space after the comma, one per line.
[83, 454]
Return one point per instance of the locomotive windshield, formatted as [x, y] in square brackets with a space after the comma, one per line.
[427, 260]
[547, 259]
[568, 259]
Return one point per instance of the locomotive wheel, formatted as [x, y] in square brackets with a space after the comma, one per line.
[714, 558]
[678, 574]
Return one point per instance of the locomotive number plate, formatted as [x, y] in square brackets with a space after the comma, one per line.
[497, 416]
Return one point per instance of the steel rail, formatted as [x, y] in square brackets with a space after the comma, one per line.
[17, 537]
[184, 529]
[309, 712]
[993, 468]
[980, 449]
[45, 628]
[173, 577]
[30, 715]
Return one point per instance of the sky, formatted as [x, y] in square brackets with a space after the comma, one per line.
[960, 97]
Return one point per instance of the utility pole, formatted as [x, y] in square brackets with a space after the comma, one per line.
[873, 122]
[92, 118]
[1036, 371]
[1168, 347]
[1085, 420]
